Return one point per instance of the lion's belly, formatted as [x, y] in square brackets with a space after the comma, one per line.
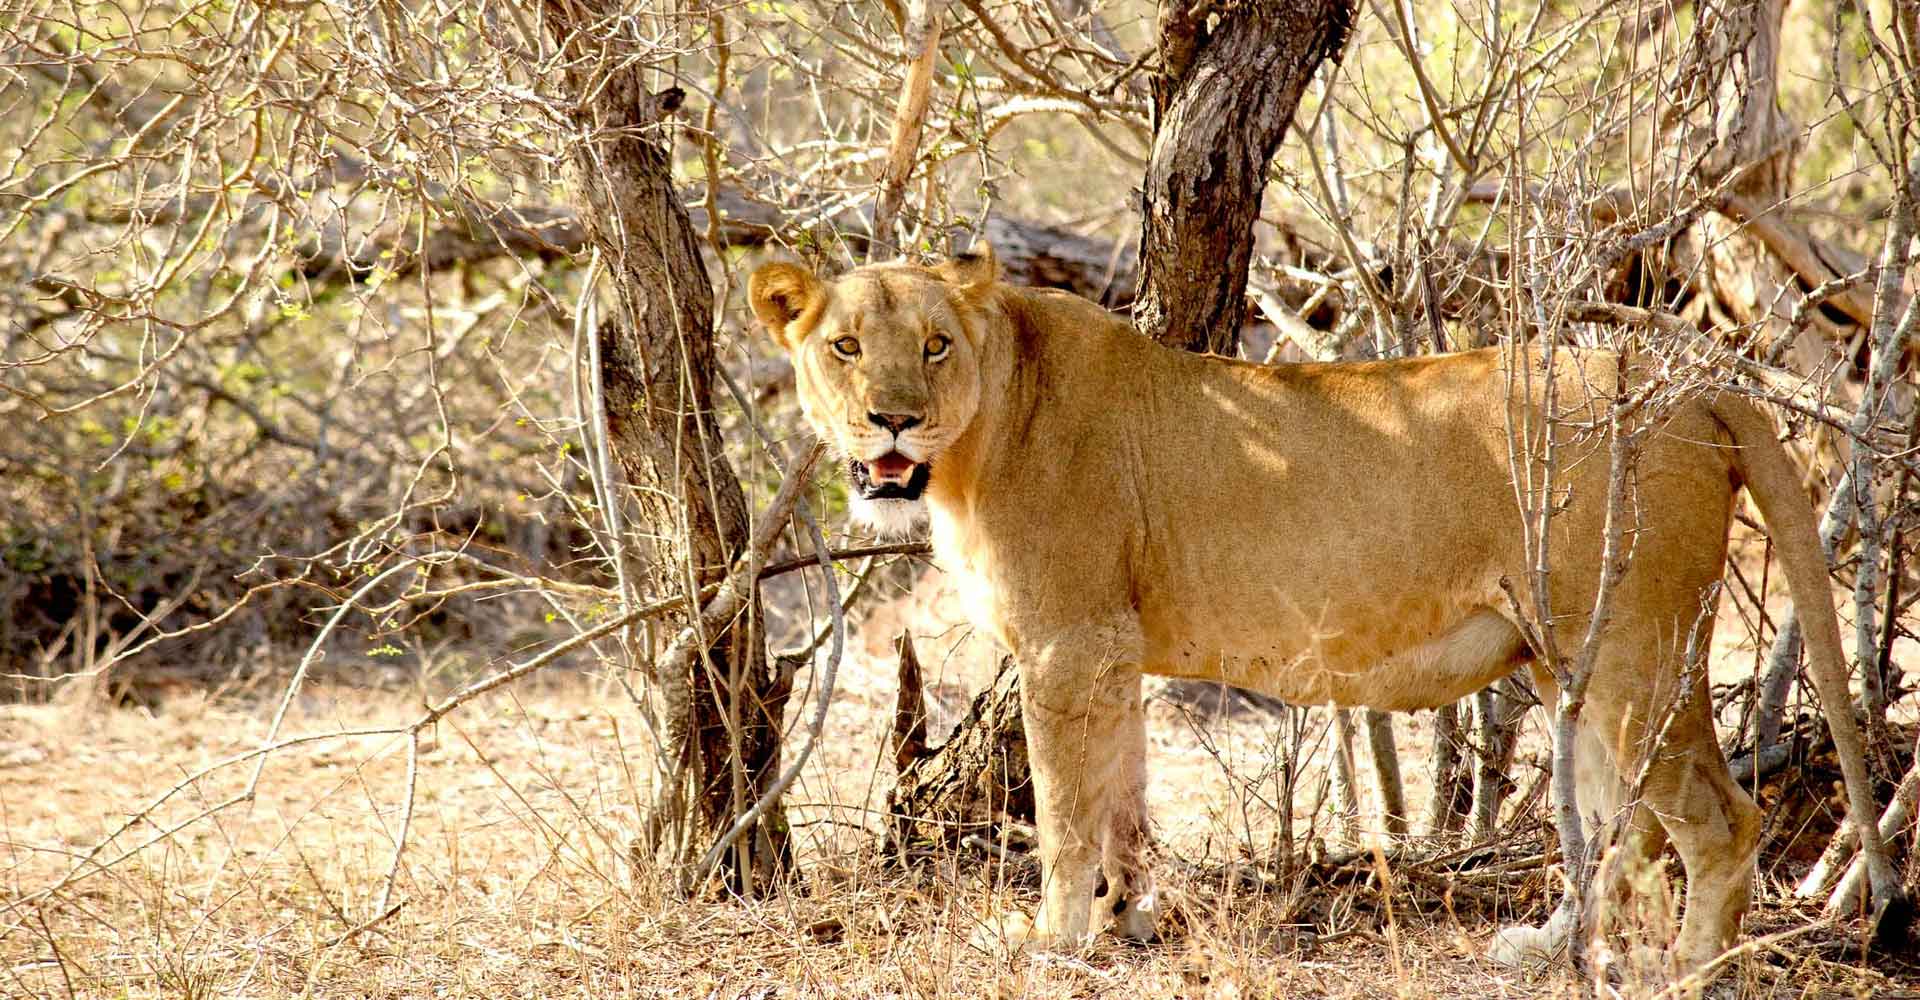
[1378, 632]
[1421, 652]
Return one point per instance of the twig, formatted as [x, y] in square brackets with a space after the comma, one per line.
[1337, 216]
[365, 925]
[1401, 31]
[1898, 813]
[406, 823]
[922, 39]
[307, 661]
[593, 422]
[825, 698]
[1346, 786]
[842, 555]
[1896, 530]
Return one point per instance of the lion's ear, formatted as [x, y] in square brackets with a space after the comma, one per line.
[973, 272]
[781, 294]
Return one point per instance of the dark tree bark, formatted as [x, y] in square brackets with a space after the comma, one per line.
[1226, 92]
[1452, 794]
[722, 735]
[1497, 712]
[967, 786]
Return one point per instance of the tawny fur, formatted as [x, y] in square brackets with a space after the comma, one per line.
[1341, 534]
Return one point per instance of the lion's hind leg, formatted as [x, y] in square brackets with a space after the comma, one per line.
[1653, 707]
[1630, 838]
[1685, 795]
[1714, 826]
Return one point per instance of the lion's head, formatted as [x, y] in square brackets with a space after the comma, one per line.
[887, 359]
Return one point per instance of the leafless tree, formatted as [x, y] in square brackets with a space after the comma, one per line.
[355, 337]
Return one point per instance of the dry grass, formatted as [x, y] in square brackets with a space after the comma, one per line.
[515, 883]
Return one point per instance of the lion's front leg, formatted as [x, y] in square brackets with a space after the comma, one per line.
[1126, 902]
[1080, 696]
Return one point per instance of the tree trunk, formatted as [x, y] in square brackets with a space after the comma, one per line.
[1386, 771]
[966, 787]
[1222, 102]
[1444, 805]
[1497, 712]
[1346, 785]
[720, 721]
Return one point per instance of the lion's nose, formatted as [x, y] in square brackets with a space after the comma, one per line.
[895, 422]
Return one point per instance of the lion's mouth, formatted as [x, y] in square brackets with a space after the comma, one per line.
[892, 476]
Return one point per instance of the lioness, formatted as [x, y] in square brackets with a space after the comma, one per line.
[1346, 533]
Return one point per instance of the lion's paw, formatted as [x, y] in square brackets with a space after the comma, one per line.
[1131, 918]
[1639, 963]
[1015, 933]
[1521, 946]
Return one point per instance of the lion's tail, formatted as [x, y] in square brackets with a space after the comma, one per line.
[1773, 480]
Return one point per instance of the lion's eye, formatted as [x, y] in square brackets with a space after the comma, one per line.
[937, 347]
[847, 347]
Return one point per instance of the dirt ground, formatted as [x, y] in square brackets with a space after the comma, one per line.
[515, 882]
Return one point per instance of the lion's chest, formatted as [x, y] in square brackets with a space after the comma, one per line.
[977, 574]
